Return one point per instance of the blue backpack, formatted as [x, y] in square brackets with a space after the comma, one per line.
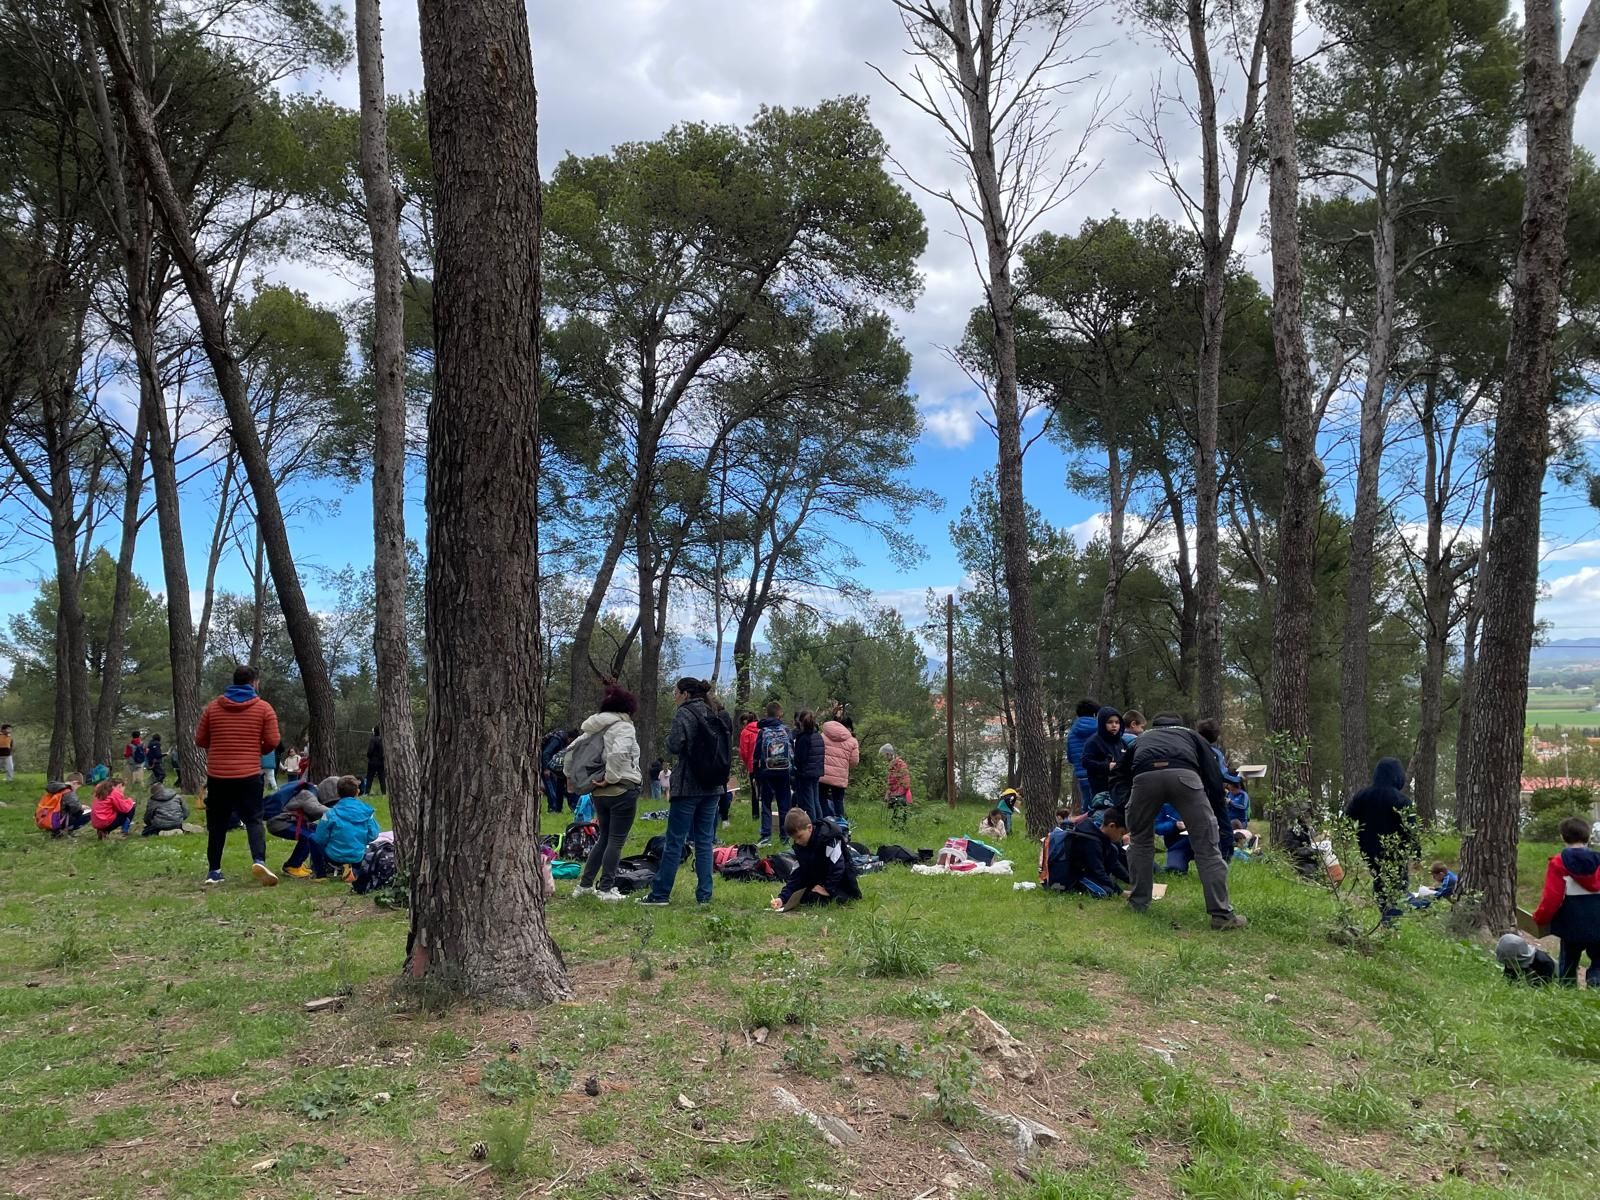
[774, 750]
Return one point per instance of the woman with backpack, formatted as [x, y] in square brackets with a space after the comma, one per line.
[614, 791]
[810, 760]
[701, 740]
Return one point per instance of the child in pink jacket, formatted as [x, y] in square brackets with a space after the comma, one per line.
[112, 808]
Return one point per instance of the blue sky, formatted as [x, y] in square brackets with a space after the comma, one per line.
[628, 69]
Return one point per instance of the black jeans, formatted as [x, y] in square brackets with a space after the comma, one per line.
[831, 800]
[227, 800]
[1572, 953]
[614, 815]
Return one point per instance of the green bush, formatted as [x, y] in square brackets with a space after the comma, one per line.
[1549, 806]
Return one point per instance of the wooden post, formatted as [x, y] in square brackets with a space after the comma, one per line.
[950, 700]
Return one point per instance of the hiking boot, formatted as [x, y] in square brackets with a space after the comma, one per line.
[580, 890]
[1231, 921]
[652, 902]
[213, 877]
[263, 875]
[610, 894]
[297, 872]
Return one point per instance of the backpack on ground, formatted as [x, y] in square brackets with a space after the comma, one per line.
[580, 838]
[585, 762]
[743, 864]
[783, 865]
[376, 869]
[634, 874]
[774, 750]
[48, 815]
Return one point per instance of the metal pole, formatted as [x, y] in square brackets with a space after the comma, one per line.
[950, 699]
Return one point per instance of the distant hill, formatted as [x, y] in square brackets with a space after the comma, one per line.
[1567, 652]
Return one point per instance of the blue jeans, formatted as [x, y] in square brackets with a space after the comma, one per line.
[806, 797]
[774, 790]
[688, 816]
[555, 790]
[1179, 855]
[830, 800]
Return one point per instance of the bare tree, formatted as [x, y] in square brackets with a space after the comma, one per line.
[1187, 36]
[993, 74]
[390, 647]
[1510, 576]
[477, 911]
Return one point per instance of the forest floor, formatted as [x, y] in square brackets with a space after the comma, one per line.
[154, 1042]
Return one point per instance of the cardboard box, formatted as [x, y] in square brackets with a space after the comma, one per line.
[1525, 923]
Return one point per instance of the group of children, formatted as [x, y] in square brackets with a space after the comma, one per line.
[1569, 908]
[328, 822]
[61, 811]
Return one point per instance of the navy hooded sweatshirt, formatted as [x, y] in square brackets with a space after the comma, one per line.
[1383, 811]
[1102, 753]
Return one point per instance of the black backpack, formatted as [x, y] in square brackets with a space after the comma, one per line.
[896, 854]
[578, 840]
[634, 874]
[783, 865]
[744, 865]
[710, 751]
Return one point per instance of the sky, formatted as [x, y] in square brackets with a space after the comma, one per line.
[626, 70]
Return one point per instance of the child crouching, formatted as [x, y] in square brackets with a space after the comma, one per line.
[825, 874]
[164, 812]
[344, 831]
[59, 810]
[112, 809]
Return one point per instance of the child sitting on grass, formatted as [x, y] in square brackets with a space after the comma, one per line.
[59, 810]
[112, 809]
[993, 826]
[1523, 961]
[1570, 905]
[344, 831]
[164, 812]
[826, 874]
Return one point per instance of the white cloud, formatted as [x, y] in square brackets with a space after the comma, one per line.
[951, 426]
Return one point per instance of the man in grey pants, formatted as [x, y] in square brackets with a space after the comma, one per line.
[1172, 764]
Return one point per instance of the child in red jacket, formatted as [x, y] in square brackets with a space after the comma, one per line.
[112, 808]
[1570, 905]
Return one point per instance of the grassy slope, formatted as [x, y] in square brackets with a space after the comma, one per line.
[154, 1044]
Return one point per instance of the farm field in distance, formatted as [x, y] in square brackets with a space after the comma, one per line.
[1562, 706]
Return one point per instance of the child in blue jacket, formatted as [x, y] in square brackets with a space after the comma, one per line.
[1173, 835]
[344, 831]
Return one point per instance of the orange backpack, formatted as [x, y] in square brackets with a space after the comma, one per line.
[48, 815]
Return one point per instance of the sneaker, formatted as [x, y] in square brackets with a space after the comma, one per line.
[652, 902]
[213, 877]
[580, 890]
[297, 872]
[1231, 921]
[264, 876]
[345, 874]
[610, 894]
[766, 841]
[727, 824]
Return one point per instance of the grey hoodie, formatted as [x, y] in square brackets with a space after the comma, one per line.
[620, 745]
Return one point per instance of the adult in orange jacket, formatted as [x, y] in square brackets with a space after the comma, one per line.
[235, 730]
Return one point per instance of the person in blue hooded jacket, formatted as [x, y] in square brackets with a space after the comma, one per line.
[1083, 728]
[345, 829]
[1386, 831]
[1175, 837]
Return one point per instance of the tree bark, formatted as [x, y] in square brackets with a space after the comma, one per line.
[1218, 231]
[1510, 578]
[110, 700]
[1116, 559]
[61, 711]
[477, 911]
[1437, 589]
[1354, 703]
[145, 144]
[1288, 696]
[1033, 754]
[1469, 662]
[391, 649]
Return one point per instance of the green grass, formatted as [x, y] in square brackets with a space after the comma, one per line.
[1576, 718]
[155, 1042]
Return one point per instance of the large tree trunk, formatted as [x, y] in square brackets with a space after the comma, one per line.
[1033, 768]
[1116, 565]
[1188, 615]
[226, 507]
[649, 635]
[147, 150]
[110, 701]
[1354, 703]
[64, 541]
[1289, 693]
[61, 711]
[477, 911]
[391, 648]
[1510, 578]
